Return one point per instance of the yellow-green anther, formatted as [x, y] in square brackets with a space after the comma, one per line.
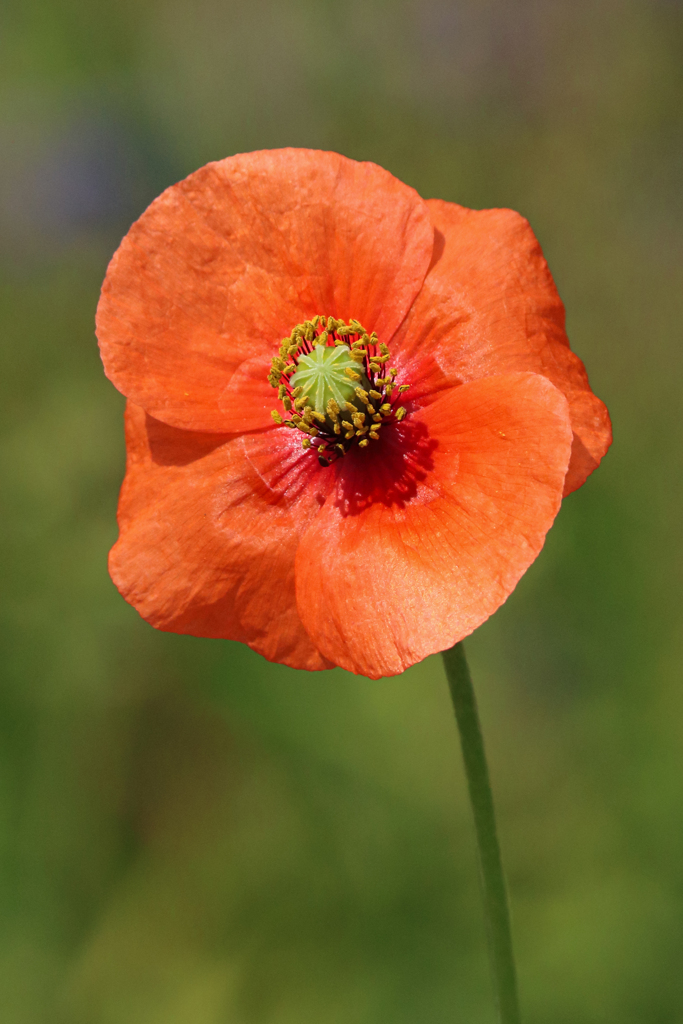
[319, 376]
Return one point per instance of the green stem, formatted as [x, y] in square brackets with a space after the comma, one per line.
[490, 863]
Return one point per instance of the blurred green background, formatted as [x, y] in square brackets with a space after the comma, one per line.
[189, 835]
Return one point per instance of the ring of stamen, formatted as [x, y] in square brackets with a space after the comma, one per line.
[335, 387]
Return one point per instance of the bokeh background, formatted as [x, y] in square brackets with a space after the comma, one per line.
[189, 835]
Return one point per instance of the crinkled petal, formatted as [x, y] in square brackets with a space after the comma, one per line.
[248, 400]
[224, 264]
[427, 533]
[489, 306]
[209, 526]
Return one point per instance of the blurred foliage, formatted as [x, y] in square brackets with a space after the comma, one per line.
[189, 835]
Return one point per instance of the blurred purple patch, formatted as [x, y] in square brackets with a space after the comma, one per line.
[83, 180]
[60, 184]
[478, 50]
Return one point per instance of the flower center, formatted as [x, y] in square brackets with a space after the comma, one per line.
[335, 387]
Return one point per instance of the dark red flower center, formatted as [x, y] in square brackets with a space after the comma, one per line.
[335, 386]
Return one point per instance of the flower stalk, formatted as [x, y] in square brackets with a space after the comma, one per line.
[494, 890]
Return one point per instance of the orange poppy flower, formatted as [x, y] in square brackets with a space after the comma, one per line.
[352, 413]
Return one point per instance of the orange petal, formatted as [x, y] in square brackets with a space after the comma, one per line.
[422, 541]
[224, 264]
[206, 547]
[489, 306]
[249, 398]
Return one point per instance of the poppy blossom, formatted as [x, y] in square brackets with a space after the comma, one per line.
[352, 413]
